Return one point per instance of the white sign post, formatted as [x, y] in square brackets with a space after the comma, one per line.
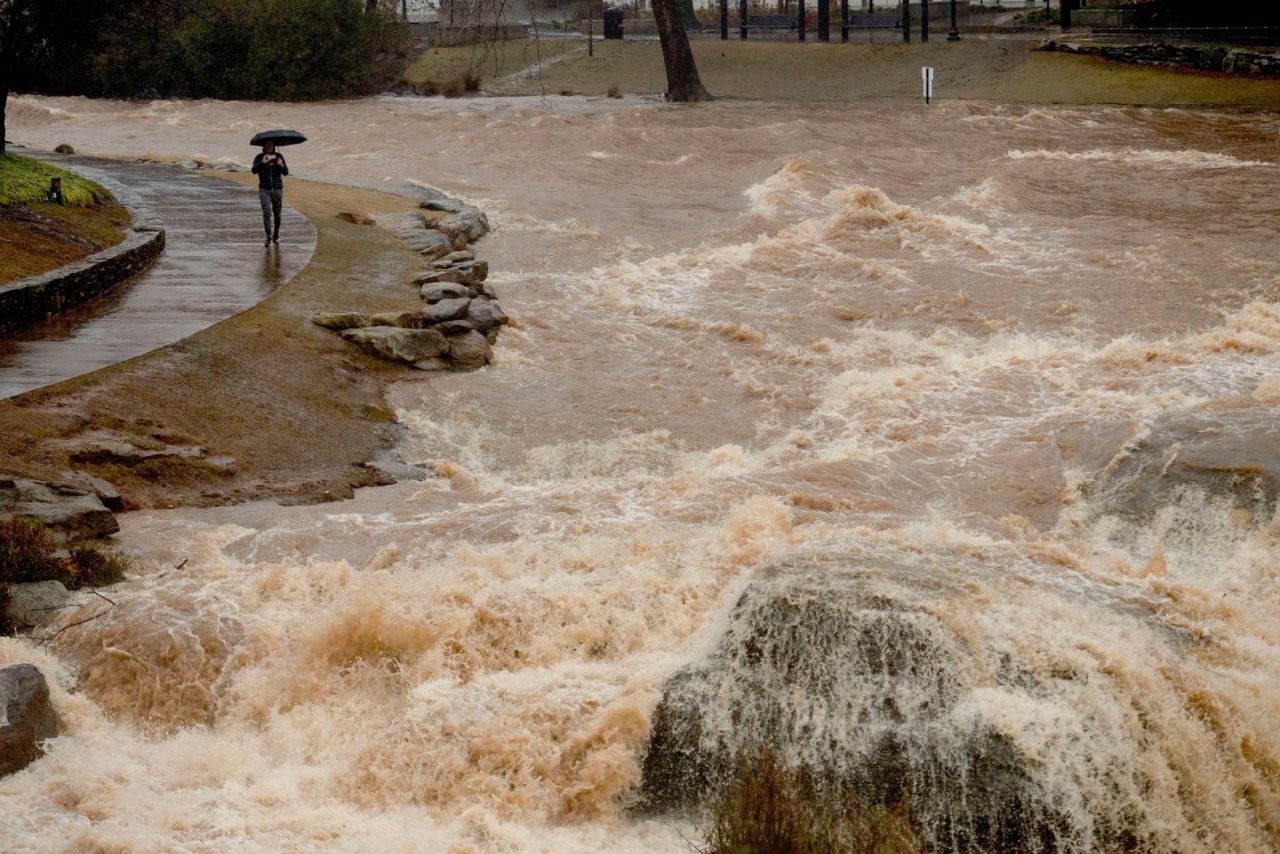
[926, 74]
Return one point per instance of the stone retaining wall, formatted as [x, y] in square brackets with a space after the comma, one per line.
[31, 300]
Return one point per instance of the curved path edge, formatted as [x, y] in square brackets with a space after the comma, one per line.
[37, 298]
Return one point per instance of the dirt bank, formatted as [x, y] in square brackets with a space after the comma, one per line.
[296, 408]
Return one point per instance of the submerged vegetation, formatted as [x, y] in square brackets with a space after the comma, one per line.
[29, 553]
[259, 49]
[768, 808]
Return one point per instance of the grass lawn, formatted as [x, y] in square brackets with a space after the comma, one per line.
[36, 236]
[490, 63]
[974, 68]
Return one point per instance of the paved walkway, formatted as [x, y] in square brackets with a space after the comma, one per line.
[213, 266]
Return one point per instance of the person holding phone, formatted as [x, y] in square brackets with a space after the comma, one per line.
[270, 167]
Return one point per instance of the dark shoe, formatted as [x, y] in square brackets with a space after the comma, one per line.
[267, 242]
[275, 238]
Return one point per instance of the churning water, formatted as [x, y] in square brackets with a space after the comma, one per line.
[933, 449]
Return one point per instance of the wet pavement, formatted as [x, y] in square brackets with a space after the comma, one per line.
[213, 266]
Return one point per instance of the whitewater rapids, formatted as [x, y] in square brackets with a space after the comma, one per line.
[746, 332]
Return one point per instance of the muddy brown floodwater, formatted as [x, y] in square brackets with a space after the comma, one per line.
[938, 340]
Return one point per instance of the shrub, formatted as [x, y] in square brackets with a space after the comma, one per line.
[453, 88]
[29, 553]
[26, 552]
[770, 809]
[93, 566]
[614, 91]
[1037, 16]
[272, 49]
[471, 81]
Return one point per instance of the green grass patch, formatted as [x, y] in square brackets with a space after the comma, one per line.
[23, 181]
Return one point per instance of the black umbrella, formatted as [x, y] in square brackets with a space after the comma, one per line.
[279, 137]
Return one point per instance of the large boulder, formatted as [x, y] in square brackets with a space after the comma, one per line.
[444, 205]
[108, 494]
[447, 309]
[68, 510]
[465, 226]
[430, 244]
[399, 345]
[360, 320]
[466, 273]
[26, 717]
[484, 315]
[436, 293]
[343, 320]
[922, 676]
[469, 351]
[35, 603]
[459, 257]
[412, 229]
[454, 328]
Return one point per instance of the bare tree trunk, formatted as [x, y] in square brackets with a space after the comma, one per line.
[689, 16]
[683, 83]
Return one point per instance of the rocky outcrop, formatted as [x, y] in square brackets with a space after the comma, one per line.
[75, 513]
[34, 603]
[108, 448]
[860, 671]
[1243, 61]
[27, 717]
[462, 273]
[395, 344]
[485, 315]
[469, 350]
[107, 494]
[463, 223]
[461, 309]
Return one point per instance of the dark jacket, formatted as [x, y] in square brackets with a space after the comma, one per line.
[271, 176]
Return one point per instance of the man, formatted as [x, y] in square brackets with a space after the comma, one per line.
[270, 168]
[54, 193]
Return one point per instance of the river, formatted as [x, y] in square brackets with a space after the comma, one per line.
[930, 346]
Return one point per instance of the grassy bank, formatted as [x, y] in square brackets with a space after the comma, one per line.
[36, 236]
[974, 68]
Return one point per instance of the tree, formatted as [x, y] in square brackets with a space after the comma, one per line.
[20, 22]
[42, 41]
[683, 83]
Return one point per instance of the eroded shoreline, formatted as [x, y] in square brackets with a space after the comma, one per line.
[297, 410]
